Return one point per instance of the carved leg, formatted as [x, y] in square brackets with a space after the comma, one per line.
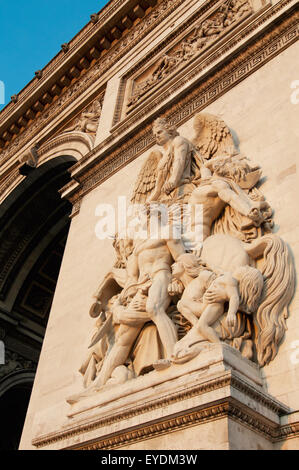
[90, 373]
[118, 355]
[209, 316]
[157, 303]
[190, 309]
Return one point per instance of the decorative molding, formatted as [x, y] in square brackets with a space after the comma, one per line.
[228, 409]
[189, 48]
[10, 180]
[228, 379]
[124, 45]
[267, 47]
[15, 362]
[76, 208]
[76, 143]
[208, 386]
[288, 431]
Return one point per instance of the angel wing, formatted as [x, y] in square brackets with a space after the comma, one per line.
[212, 136]
[147, 178]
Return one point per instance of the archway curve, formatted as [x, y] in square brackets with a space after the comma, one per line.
[15, 391]
[29, 214]
[70, 146]
[76, 144]
[34, 223]
[20, 377]
[22, 183]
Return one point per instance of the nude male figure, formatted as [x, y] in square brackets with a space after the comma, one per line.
[216, 191]
[145, 298]
[205, 295]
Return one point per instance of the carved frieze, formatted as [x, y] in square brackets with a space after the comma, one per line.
[203, 34]
[88, 119]
[14, 362]
[75, 90]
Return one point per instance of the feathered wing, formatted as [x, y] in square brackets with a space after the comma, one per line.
[279, 286]
[212, 136]
[147, 178]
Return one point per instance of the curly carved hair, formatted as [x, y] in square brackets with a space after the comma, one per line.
[161, 123]
[251, 283]
[192, 264]
[234, 167]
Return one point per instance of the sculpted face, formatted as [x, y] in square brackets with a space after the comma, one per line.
[162, 135]
[177, 269]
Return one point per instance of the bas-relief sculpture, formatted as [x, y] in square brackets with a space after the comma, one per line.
[167, 299]
[14, 362]
[205, 33]
[88, 120]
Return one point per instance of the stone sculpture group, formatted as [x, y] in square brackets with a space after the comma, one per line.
[166, 299]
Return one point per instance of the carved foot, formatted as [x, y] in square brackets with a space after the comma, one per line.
[161, 364]
[186, 354]
[188, 347]
[120, 375]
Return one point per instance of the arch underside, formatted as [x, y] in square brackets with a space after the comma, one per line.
[34, 224]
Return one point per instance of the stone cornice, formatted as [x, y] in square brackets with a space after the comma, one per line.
[289, 431]
[217, 411]
[87, 77]
[95, 167]
[110, 14]
[225, 407]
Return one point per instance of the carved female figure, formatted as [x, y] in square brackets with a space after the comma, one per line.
[206, 293]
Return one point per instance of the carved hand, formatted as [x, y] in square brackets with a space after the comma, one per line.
[175, 288]
[231, 320]
[213, 296]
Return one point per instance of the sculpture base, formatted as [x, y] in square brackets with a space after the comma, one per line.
[215, 401]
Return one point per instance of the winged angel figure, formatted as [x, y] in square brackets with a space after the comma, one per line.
[166, 299]
[169, 175]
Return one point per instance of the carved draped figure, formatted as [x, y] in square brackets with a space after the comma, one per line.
[252, 271]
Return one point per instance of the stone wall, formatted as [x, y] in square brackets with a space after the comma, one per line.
[264, 121]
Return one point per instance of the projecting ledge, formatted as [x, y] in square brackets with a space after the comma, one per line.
[219, 384]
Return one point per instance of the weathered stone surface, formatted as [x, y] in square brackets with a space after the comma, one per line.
[161, 359]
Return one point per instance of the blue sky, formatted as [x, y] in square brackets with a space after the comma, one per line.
[32, 32]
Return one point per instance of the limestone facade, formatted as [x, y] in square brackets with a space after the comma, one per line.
[92, 109]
